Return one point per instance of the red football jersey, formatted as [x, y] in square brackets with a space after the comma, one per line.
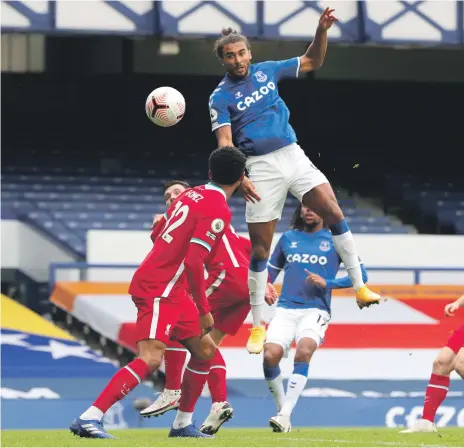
[200, 215]
[228, 270]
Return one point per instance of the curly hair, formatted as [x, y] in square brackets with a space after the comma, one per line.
[227, 165]
[229, 36]
[296, 222]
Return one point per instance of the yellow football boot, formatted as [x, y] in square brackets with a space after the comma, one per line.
[256, 340]
[365, 297]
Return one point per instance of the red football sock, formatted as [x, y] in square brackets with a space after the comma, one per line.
[123, 382]
[434, 395]
[195, 376]
[217, 378]
[174, 360]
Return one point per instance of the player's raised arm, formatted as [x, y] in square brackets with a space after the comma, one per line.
[224, 136]
[220, 119]
[315, 54]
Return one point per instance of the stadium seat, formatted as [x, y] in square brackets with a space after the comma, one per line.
[66, 204]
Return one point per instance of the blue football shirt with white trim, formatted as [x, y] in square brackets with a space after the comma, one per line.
[254, 109]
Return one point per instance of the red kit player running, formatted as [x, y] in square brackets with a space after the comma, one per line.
[227, 291]
[184, 241]
[451, 357]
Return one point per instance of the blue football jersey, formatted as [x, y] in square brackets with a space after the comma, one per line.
[254, 109]
[297, 251]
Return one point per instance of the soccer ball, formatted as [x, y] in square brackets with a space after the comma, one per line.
[165, 106]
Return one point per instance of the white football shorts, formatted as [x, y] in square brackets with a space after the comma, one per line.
[274, 175]
[290, 325]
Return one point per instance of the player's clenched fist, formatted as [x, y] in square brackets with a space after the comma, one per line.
[451, 308]
[327, 19]
[156, 220]
[206, 323]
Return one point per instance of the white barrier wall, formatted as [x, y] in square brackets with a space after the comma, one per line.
[418, 251]
[28, 250]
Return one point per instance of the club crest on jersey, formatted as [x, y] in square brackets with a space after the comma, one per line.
[213, 114]
[217, 225]
[324, 246]
[260, 76]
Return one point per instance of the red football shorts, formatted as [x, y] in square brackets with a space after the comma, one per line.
[456, 340]
[166, 319]
[230, 305]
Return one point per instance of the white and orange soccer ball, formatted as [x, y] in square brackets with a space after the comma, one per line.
[165, 106]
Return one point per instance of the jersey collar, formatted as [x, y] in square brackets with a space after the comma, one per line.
[240, 80]
[211, 186]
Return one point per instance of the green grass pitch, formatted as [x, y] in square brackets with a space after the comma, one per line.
[343, 437]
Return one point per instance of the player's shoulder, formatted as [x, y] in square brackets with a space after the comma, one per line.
[290, 235]
[265, 66]
[215, 198]
[220, 91]
[262, 65]
[326, 233]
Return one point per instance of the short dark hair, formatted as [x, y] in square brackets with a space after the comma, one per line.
[227, 165]
[175, 182]
[229, 36]
[297, 223]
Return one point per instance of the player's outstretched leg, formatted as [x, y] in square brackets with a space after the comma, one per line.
[438, 387]
[322, 200]
[261, 234]
[221, 410]
[257, 280]
[195, 376]
[90, 423]
[174, 360]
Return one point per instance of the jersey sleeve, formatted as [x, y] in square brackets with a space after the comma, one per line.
[289, 68]
[159, 226]
[218, 111]
[208, 233]
[210, 228]
[345, 282]
[277, 261]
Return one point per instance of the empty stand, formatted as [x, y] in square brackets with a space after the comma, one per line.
[435, 206]
[67, 206]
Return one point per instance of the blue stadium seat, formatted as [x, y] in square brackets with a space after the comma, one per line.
[66, 202]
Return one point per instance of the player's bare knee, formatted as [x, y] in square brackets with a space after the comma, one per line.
[151, 351]
[272, 355]
[207, 349]
[303, 355]
[305, 350]
[459, 363]
[261, 252]
[331, 212]
[208, 352]
[444, 363]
